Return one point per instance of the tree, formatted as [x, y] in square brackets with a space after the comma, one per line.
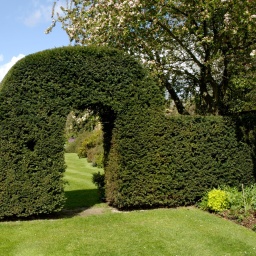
[197, 49]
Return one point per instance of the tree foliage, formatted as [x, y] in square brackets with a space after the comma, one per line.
[197, 49]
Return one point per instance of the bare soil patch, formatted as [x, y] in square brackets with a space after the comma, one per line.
[247, 220]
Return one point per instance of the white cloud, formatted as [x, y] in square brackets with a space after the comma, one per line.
[42, 13]
[1, 57]
[5, 68]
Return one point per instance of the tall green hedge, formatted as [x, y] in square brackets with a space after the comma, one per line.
[172, 161]
[35, 99]
[150, 159]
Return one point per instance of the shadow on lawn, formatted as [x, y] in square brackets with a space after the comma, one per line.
[81, 198]
[78, 201]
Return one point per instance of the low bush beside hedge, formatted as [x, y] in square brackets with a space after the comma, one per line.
[242, 199]
[235, 203]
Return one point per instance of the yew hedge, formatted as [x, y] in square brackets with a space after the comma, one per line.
[173, 161]
[150, 159]
[35, 98]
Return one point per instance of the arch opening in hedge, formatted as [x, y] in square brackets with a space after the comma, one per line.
[35, 98]
[151, 160]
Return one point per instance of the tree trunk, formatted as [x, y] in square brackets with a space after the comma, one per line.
[181, 109]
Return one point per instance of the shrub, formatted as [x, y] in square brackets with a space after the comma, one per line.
[99, 180]
[243, 199]
[75, 144]
[230, 198]
[92, 148]
[217, 200]
[173, 161]
[234, 197]
[91, 140]
[79, 126]
[249, 197]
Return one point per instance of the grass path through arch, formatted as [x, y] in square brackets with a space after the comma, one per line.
[79, 190]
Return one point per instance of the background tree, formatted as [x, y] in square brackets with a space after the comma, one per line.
[197, 49]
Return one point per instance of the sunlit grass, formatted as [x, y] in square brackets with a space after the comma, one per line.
[182, 231]
[79, 190]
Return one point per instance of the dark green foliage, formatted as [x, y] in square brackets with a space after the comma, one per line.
[149, 159]
[245, 125]
[35, 99]
[99, 180]
[173, 161]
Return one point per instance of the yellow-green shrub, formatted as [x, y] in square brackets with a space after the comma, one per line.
[92, 139]
[217, 200]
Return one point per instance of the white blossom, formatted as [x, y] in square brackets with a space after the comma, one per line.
[227, 18]
[253, 53]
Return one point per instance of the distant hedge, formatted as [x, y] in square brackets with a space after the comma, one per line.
[172, 161]
[35, 98]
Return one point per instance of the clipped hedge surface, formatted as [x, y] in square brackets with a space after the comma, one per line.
[172, 161]
[150, 160]
[35, 98]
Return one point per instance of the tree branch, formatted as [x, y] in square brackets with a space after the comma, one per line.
[163, 26]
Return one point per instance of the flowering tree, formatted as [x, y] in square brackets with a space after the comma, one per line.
[197, 49]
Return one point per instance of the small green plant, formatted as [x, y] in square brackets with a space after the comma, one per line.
[243, 200]
[92, 148]
[234, 197]
[249, 197]
[203, 202]
[217, 200]
[99, 180]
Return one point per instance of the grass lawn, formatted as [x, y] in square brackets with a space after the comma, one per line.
[182, 231]
[79, 190]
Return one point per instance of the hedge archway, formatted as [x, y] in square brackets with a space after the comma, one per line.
[151, 159]
[35, 98]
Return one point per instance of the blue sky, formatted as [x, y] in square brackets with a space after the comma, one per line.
[23, 23]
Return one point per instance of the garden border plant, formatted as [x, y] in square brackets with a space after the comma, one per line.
[235, 203]
[150, 160]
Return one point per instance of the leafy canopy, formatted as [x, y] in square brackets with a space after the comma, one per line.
[198, 50]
